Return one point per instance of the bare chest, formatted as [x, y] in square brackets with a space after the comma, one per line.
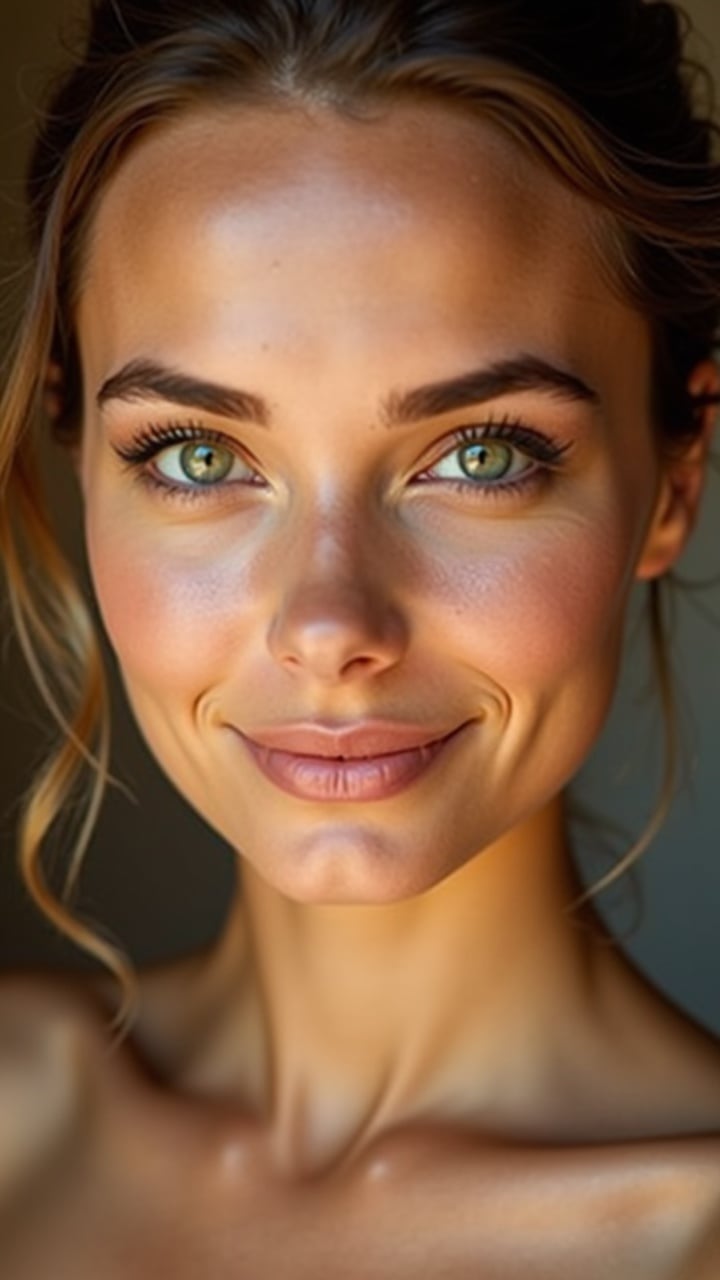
[413, 1208]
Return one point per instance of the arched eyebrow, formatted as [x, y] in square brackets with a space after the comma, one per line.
[142, 380]
[503, 377]
[147, 380]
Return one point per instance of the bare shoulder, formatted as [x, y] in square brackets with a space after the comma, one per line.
[50, 1037]
[704, 1260]
[649, 1210]
[702, 1192]
[41, 1010]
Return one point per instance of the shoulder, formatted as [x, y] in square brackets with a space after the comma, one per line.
[703, 1258]
[50, 1039]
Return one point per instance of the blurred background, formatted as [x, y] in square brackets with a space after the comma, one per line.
[158, 882]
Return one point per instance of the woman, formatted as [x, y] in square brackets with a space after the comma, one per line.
[380, 335]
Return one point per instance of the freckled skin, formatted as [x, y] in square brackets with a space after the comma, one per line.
[322, 270]
[402, 1048]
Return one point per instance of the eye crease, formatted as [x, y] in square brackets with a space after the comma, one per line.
[356, 417]
[492, 454]
[209, 456]
[495, 457]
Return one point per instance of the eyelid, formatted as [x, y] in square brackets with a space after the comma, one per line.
[155, 438]
[513, 431]
[539, 447]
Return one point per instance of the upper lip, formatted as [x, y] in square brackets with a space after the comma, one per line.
[352, 742]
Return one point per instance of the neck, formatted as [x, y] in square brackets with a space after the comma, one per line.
[450, 1005]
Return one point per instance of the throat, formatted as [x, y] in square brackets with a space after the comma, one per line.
[331, 1025]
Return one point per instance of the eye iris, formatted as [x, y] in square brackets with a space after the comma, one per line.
[487, 461]
[205, 462]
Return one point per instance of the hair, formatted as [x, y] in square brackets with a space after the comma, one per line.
[600, 93]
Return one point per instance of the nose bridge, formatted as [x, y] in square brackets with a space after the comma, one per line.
[336, 606]
[337, 533]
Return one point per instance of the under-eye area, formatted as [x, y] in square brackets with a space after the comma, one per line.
[350, 325]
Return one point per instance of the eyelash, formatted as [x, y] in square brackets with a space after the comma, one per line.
[547, 453]
[154, 439]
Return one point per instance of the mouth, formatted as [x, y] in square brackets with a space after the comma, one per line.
[356, 777]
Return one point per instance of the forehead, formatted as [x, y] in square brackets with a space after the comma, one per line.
[228, 214]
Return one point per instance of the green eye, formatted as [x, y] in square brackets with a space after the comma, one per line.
[495, 458]
[487, 460]
[186, 458]
[484, 464]
[205, 463]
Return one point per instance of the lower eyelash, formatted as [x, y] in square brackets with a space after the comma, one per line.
[500, 489]
[546, 452]
[166, 489]
[153, 439]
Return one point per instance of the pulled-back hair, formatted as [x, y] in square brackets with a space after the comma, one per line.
[600, 92]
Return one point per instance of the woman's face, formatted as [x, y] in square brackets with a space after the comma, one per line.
[319, 542]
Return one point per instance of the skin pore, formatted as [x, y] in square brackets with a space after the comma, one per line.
[408, 960]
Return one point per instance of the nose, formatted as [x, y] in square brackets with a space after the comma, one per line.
[335, 621]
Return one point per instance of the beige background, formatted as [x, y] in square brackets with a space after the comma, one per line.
[158, 881]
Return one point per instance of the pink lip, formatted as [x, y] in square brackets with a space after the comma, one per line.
[351, 742]
[317, 776]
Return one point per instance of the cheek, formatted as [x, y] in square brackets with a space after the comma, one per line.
[165, 603]
[540, 623]
[150, 614]
[538, 602]
[524, 605]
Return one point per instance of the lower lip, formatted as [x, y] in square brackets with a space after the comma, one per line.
[376, 778]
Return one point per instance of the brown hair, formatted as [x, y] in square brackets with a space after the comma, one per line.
[599, 92]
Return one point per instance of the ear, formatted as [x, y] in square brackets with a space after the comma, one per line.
[681, 482]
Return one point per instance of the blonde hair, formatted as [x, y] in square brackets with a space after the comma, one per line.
[602, 97]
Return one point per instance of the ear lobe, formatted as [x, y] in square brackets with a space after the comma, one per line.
[681, 482]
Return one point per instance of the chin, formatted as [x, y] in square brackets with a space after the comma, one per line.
[347, 875]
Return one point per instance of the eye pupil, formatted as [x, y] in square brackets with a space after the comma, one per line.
[487, 461]
[206, 463]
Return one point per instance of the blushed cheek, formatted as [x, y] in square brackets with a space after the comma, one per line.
[165, 616]
[541, 606]
[549, 607]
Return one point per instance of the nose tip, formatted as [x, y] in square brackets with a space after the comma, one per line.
[333, 635]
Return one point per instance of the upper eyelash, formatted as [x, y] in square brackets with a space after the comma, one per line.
[545, 450]
[154, 437]
[542, 447]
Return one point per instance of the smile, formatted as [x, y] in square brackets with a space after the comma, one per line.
[331, 779]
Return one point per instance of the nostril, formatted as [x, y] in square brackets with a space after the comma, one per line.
[327, 639]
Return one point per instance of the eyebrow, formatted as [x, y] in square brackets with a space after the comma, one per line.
[147, 380]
